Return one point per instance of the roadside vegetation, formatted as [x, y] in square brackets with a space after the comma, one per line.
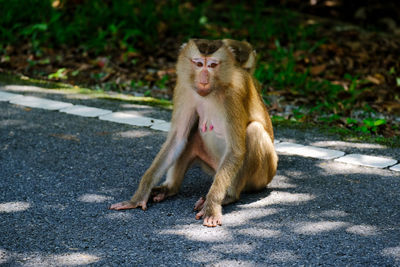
[318, 70]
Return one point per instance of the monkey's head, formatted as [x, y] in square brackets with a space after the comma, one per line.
[205, 65]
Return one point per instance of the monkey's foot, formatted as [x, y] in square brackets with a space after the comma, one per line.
[209, 221]
[198, 206]
[126, 205]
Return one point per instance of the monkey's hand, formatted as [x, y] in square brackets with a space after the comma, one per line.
[211, 213]
[131, 204]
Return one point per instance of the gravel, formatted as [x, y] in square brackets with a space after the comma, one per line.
[59, 173]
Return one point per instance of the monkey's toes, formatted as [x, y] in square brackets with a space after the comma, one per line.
[212, 221]
[199, 215]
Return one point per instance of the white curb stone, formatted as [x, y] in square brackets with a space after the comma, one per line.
[161, 126]
[131, 119]
[319, 153]
[395, 168]
[286, 147]
[85, 111]
[308, 151]
[369, 161]
[36, 102]
[4, 96]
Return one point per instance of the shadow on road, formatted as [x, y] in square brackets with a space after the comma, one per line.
[59, 173]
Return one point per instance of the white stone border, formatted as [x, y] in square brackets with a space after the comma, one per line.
[161, 125]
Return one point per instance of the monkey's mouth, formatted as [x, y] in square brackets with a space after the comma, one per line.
[203, 90]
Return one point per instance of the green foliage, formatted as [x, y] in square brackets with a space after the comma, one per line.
[103, 26]
[60, 74]
[96, 25]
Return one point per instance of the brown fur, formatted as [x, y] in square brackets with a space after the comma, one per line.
[239, 151]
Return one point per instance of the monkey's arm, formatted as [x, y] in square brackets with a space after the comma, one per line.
[182, 122]
[228, 168]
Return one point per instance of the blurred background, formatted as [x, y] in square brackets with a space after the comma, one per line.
[334, 63]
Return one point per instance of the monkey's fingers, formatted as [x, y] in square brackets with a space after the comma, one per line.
[126, 205]
[159, 197]
[199, 204]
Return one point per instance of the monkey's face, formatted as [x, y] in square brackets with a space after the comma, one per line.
[205, 65]
[205, 69]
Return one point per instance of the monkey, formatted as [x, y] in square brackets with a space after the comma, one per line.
[245, 56]
[219, 120]
[244, 53]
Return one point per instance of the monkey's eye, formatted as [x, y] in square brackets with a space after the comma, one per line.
[198, 62]
[213, 65]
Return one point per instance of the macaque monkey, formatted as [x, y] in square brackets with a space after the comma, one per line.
[244, 54]
[219, 119]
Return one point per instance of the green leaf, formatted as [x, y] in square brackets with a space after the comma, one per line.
[40, 27]
[59, 74]
[351, 121]
[379, 122]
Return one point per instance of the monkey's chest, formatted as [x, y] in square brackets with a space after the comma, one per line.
[212, 133]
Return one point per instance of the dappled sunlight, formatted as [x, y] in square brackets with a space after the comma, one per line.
[259, 232]
[4, 256]
[393, 252]
[234, 263]
[39, 259]
[334, 213]
[17, 206]
[329, 214]
[242, 216]
[281, 182]
[119, 216]
[283, 256]
[94, 198]
[197, 232]
[7, 123]
[132, 134]
[330, 167]
[204, 256]
[277, 197]
[68, 259]
[342, 145]
[238, 248]
[363, 230]
[312, 228]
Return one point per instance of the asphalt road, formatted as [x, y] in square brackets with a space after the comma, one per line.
[59, 173]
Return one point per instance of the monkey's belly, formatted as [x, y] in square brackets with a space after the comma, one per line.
[214, 144]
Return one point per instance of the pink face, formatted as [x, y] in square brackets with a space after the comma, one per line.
[205, 68]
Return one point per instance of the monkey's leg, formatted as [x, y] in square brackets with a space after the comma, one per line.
[169, 153]
[212, 207]
[175, 175]
[193, 151]
[260, 163]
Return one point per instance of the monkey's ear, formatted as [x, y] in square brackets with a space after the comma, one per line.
[182, 46]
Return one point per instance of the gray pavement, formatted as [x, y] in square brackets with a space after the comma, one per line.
[59, 172]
